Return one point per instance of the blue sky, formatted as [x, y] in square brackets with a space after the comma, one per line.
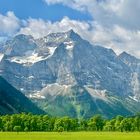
[24, 9]
[114, 24]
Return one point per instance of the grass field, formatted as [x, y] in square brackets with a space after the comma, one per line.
[70, 136]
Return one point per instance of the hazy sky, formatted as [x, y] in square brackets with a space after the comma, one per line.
[112, 23]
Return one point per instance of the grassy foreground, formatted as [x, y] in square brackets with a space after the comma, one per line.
[69, 136]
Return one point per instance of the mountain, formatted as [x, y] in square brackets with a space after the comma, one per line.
[13, 101]
[65, 73]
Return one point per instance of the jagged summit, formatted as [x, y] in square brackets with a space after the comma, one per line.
[23, 38]
[73, 35]
[125, 54]
[71, 32]
[128, 57]
[61, 35]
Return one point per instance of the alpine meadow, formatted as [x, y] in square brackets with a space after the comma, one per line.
[69, 69]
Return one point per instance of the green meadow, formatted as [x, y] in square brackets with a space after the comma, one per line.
[69, 136]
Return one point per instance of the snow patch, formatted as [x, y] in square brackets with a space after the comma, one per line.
[134, 98]
[109, 68]
[135, 85]
[31, 77]
[1, 56]
[28, 60]
[21, 89]
[51, 50]
[69, 45]
[36, 96]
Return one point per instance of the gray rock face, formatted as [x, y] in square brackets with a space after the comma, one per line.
[51, 67]
[134, 65]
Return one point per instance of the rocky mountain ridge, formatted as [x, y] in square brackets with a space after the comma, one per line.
[64, 72]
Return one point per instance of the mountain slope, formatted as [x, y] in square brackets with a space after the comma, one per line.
[66, 73]
[12, 101]
[134, 65]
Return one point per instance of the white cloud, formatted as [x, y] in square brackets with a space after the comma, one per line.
[39, 27]
[9, 24]
[108, 12]
[116, 24]
[116, 37]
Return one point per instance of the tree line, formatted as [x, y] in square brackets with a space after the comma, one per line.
[29, 122]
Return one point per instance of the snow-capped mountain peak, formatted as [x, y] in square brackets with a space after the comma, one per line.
[81, 75]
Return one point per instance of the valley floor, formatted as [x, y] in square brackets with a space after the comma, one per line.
[69, 136]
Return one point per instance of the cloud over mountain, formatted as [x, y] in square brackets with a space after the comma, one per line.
[115, 24]
[9, 23]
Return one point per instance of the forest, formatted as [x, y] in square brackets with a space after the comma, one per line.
[29, 122]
